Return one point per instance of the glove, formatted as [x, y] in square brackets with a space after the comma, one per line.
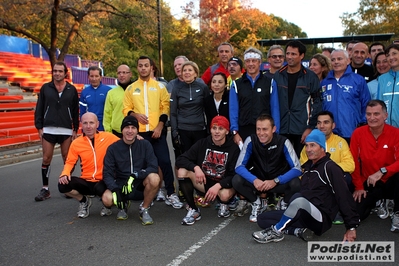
[119, 200]
[128, 187]
[177, 144]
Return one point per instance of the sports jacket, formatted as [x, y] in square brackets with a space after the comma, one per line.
[123, 160]
[339, 152]
[266, 162]
[93, 100]
[113, 108]
[251, 98]
[187, 107]
[388, 90]
[347, 99]
[305, 105]
[323, 184]
[150, 98]
[210, 107]
[371, 154]
[53, 110]
[91, 155]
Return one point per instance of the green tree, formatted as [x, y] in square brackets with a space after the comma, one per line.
[373, 16]
[53, 23]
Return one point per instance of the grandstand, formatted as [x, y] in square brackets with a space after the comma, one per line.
[23, 70]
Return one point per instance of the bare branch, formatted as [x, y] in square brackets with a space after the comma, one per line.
[21, 30]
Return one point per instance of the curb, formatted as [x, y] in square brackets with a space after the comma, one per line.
[21, 156]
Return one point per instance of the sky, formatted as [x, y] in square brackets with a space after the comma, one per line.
[318, 18]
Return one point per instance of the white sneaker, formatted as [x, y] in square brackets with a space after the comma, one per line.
[174, 201]
[141, 205]
[191, 216]
[160, 195]
[382, 210]
[105, 211]
[395, 222]
[281, 204]
[84, 208]
[224, 211]
[256, 210]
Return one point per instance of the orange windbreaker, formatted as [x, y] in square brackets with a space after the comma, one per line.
[91, 158]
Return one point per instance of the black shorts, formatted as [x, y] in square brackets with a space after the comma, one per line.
[83, 186]
[209, 183]
[55, 138]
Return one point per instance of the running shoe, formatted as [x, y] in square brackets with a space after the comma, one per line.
[43, 195]
[84, 208]
[191, 216]
[268, 235]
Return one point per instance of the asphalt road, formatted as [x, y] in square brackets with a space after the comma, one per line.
[49, 232]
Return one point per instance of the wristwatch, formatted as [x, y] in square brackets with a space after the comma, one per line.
[383, 170]
[276, 180]
[235, 132]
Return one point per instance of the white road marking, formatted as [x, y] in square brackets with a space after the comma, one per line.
[182, 257]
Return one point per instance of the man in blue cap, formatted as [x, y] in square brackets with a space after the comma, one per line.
[323, 193]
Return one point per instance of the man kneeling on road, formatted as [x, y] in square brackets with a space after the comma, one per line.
[130, 168]
[267, 164]
[323, 193]
[90, 148]
[208, 166]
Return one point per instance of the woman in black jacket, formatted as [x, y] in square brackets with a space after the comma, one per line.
[187, 115]
[218, 102]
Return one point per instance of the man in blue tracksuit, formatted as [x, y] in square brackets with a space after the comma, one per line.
[250, 96]
[345, 94]
[92, 98]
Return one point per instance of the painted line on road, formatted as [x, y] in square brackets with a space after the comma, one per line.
[179, 259]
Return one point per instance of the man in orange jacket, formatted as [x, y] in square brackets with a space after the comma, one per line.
[90, 148]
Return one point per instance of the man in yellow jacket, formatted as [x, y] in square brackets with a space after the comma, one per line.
[149, 102]
[336, 146]
[90, 148]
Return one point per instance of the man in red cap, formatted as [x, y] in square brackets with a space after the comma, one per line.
[208, 166]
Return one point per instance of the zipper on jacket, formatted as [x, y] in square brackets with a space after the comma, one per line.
[131, 159]
[191, 96]
[147, 127]
[95, 158]
[45, 113]
[69, 112]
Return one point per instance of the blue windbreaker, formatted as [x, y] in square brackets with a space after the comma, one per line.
[347, 99]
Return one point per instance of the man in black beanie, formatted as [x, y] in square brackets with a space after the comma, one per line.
[130, 167]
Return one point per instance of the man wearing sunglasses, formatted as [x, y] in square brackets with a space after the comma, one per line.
[275, 57]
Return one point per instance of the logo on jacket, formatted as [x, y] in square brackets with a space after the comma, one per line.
[385, 146]
[272, 147]
[152, 89]
[214, 164]
[346, 88]
[137, 91]
[197, 90]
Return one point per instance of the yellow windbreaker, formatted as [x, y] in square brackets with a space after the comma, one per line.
[147, 97]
